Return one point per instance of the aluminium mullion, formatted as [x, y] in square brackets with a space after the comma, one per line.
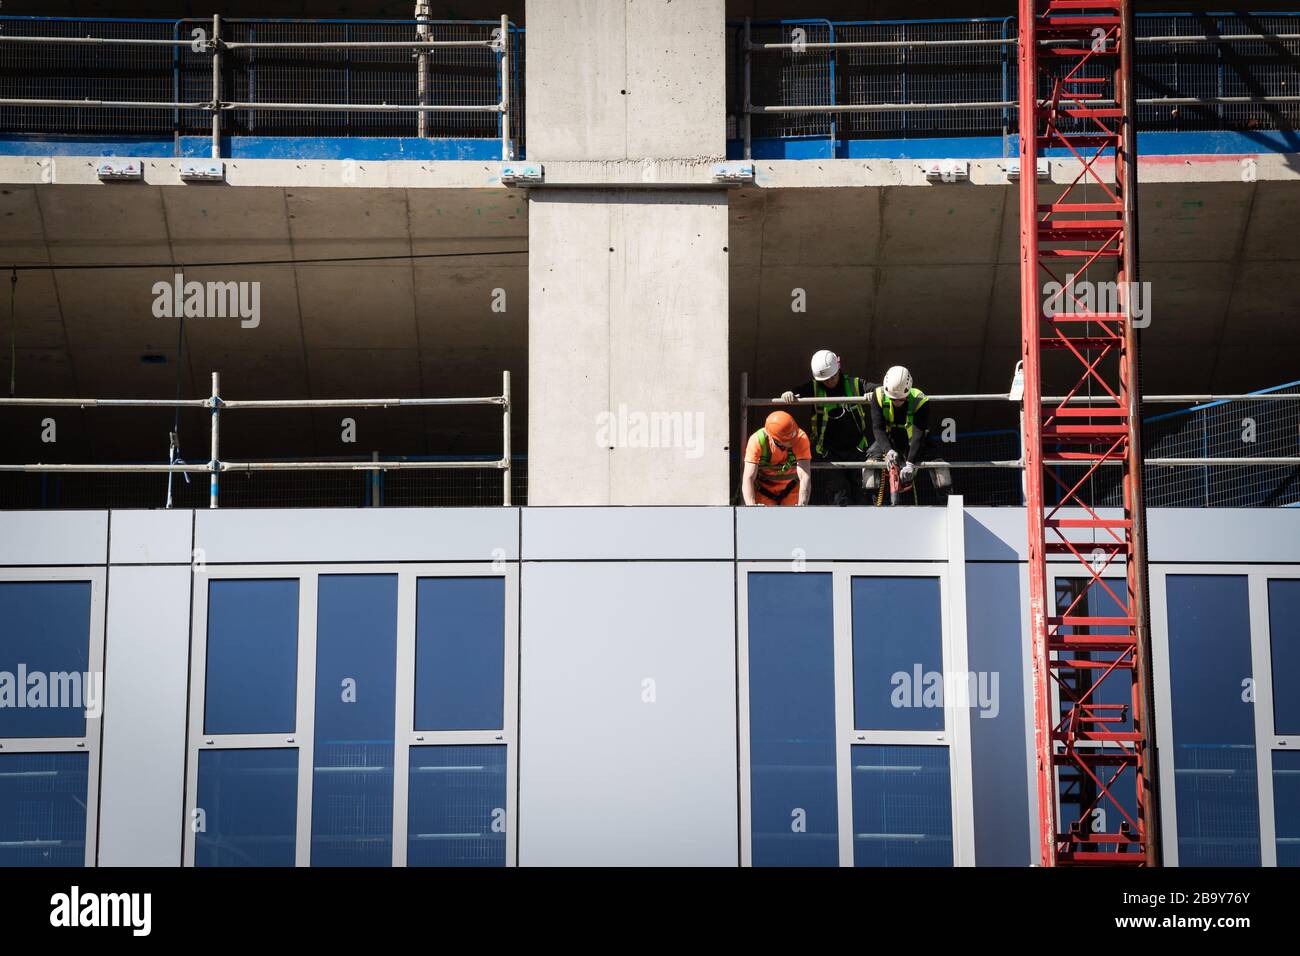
[246, 741]
[510, 710]
[1261, 666]
[305, 714]
[1161, 676]
[404, 712]
[197, 703]
[842, 628]
[742, 714]
[44, 745]
[957, 719]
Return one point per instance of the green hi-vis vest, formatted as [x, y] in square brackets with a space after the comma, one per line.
[765, 460]
[915, 399]
[822, 413]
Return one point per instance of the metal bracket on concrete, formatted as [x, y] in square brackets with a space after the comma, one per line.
[734, 173]
[120, 169]
[1042, 167]
[947, 170]
[203, 170]
[521, 174]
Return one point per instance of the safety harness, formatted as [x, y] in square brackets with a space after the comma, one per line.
[915, 399]
[821, 414]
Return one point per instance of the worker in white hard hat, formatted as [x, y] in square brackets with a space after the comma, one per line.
[839, 431]
[900, 423]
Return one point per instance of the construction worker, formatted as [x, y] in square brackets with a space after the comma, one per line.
[778, 464]
[839, 431]
[900, 423]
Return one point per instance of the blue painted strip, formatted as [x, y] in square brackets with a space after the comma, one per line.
[50, 145]
[1221, 143]
[345, 147]
[1212, 143]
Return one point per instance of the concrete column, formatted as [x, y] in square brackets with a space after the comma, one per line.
[628, 334]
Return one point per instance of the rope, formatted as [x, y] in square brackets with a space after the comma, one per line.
[13, 334]
[175, 444]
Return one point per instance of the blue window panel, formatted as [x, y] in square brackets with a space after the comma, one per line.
[43, 809]
[897, 654]
[45, 658]
[793, 803]
[1214, 728]
[902, 806]
[456, 812]
[1284, 637]
[249, 800]
[1286, 806]
[356, 674]
[460, 653]
[252, 666]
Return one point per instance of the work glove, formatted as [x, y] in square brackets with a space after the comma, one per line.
[891, 456]
[787, 396]
[906, 472]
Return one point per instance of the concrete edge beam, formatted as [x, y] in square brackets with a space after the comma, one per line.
[678, 173]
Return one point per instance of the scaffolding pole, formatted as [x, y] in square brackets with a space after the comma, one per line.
[216, 405]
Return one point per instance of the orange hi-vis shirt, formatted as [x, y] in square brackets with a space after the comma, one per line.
[779, 469]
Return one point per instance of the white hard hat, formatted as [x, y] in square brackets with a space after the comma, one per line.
[898, 382]
[825, 364]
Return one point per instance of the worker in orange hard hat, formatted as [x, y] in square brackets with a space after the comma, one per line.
[778, 464]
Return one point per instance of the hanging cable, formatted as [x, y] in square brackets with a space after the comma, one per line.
[13, 333]
[318, 260]
[174, 436]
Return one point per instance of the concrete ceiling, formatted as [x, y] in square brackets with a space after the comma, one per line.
[925, 276]
[403, 328]
[928, 277]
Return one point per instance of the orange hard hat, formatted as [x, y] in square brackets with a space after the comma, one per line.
[781, 427]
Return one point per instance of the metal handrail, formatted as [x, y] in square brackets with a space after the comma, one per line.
[747, 402]
[1004, 41]
[217, 405]
[1081, 399]
[216, 45]
[748, 47]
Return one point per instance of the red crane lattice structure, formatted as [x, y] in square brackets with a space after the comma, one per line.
[1094, 733]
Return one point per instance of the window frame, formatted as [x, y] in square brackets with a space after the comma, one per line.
[955, 734]
[1261, 665]
[91, 742]
[303, 736]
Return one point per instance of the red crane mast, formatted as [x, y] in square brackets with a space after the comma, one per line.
[1094, 732]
